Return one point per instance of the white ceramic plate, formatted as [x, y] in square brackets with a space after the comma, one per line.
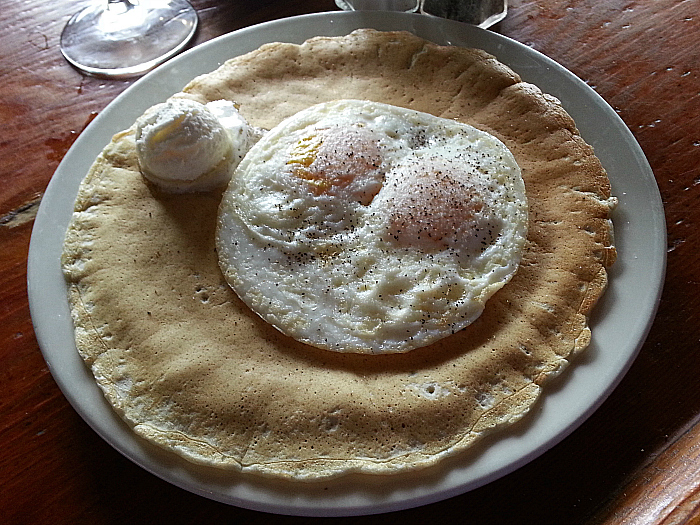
[620, 322]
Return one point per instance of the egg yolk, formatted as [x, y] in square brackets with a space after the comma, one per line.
[339, 161]
[436, 204]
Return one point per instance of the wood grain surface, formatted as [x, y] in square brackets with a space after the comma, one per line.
[636, 460]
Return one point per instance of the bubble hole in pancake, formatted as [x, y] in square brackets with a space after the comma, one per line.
[192, 369]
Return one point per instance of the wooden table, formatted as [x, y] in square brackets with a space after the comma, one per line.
[636, 460]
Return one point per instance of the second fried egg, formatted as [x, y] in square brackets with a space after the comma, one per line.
[356, 226]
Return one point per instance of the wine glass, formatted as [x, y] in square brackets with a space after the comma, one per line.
[125, 38]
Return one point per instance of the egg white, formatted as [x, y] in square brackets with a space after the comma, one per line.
[356, 226]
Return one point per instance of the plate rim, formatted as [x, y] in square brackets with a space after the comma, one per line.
[50, 225]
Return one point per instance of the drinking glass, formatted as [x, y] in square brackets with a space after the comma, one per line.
[124, 38]
[482, 13]
[381, 5]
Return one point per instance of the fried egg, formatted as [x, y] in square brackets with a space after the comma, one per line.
[356, 226]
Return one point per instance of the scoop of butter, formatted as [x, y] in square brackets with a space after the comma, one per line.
[183, 145]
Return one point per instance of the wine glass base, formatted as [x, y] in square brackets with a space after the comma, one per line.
[126, 39]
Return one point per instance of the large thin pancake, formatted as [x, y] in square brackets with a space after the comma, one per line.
[191, 368]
